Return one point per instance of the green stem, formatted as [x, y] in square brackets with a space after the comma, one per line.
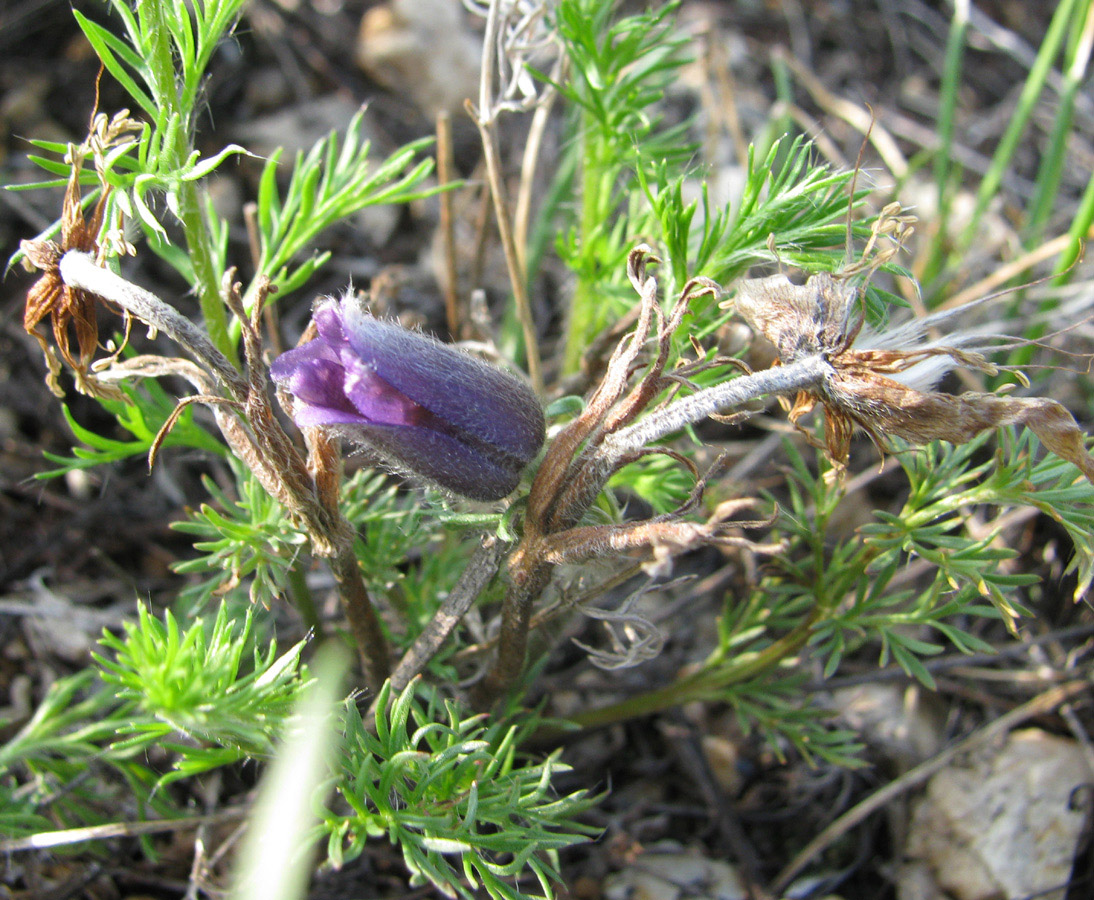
[1053, 160]
[206, 276]
[1077, 234]
[702, 685]
[947, 97]
[943, 165]
[1062, 22]
[159, 55]
[168, 85]
[581, 321]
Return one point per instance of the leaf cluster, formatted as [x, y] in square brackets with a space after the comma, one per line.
[328, 184]
[786, 193]
[148, 407]
[205, 693]
[454, 794]
[161, 63]
[829, 595]
[162, 59]
[620, 68]
[43, 765]
[249, 541]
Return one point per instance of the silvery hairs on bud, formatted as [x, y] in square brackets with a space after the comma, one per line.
[425, 407]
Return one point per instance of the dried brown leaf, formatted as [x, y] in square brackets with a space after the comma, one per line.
[821, 317]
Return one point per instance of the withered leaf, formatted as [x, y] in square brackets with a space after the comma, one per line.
[822, 318]
[50, 297]
[885, 407]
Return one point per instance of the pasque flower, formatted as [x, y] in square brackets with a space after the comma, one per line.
[426, 408]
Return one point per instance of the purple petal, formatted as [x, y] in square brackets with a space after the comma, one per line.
[318, 386]
[282, 368]
[472, 396]
[320, 382]
[375, 399]
[439, 458]
[306, 416]
[328, 322]
[426, 407]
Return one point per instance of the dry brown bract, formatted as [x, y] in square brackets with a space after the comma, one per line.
[49, 295]
[875, 387]
[581, 458]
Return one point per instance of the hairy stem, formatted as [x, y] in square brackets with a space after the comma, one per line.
[524, 589]
[178, 146]
[479, 572]
[364, 623]
[268, 452]
[788, 379]
[616, 448]
[80, 271]
[529, 569]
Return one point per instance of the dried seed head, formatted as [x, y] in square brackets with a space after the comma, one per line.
[800, 320]
[72, 311]
[49, 297]
[881, 382]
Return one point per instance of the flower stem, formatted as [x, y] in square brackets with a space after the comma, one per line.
[479, 572]
[583, 314]
[788, 379]
[364, 623]
[178, 145]
[267, 454]
[524, 589]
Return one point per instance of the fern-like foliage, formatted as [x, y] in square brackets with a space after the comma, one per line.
[454, 793]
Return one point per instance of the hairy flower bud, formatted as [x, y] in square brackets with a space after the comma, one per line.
[427, 408]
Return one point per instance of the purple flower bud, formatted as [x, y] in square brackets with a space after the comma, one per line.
[427, 408]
